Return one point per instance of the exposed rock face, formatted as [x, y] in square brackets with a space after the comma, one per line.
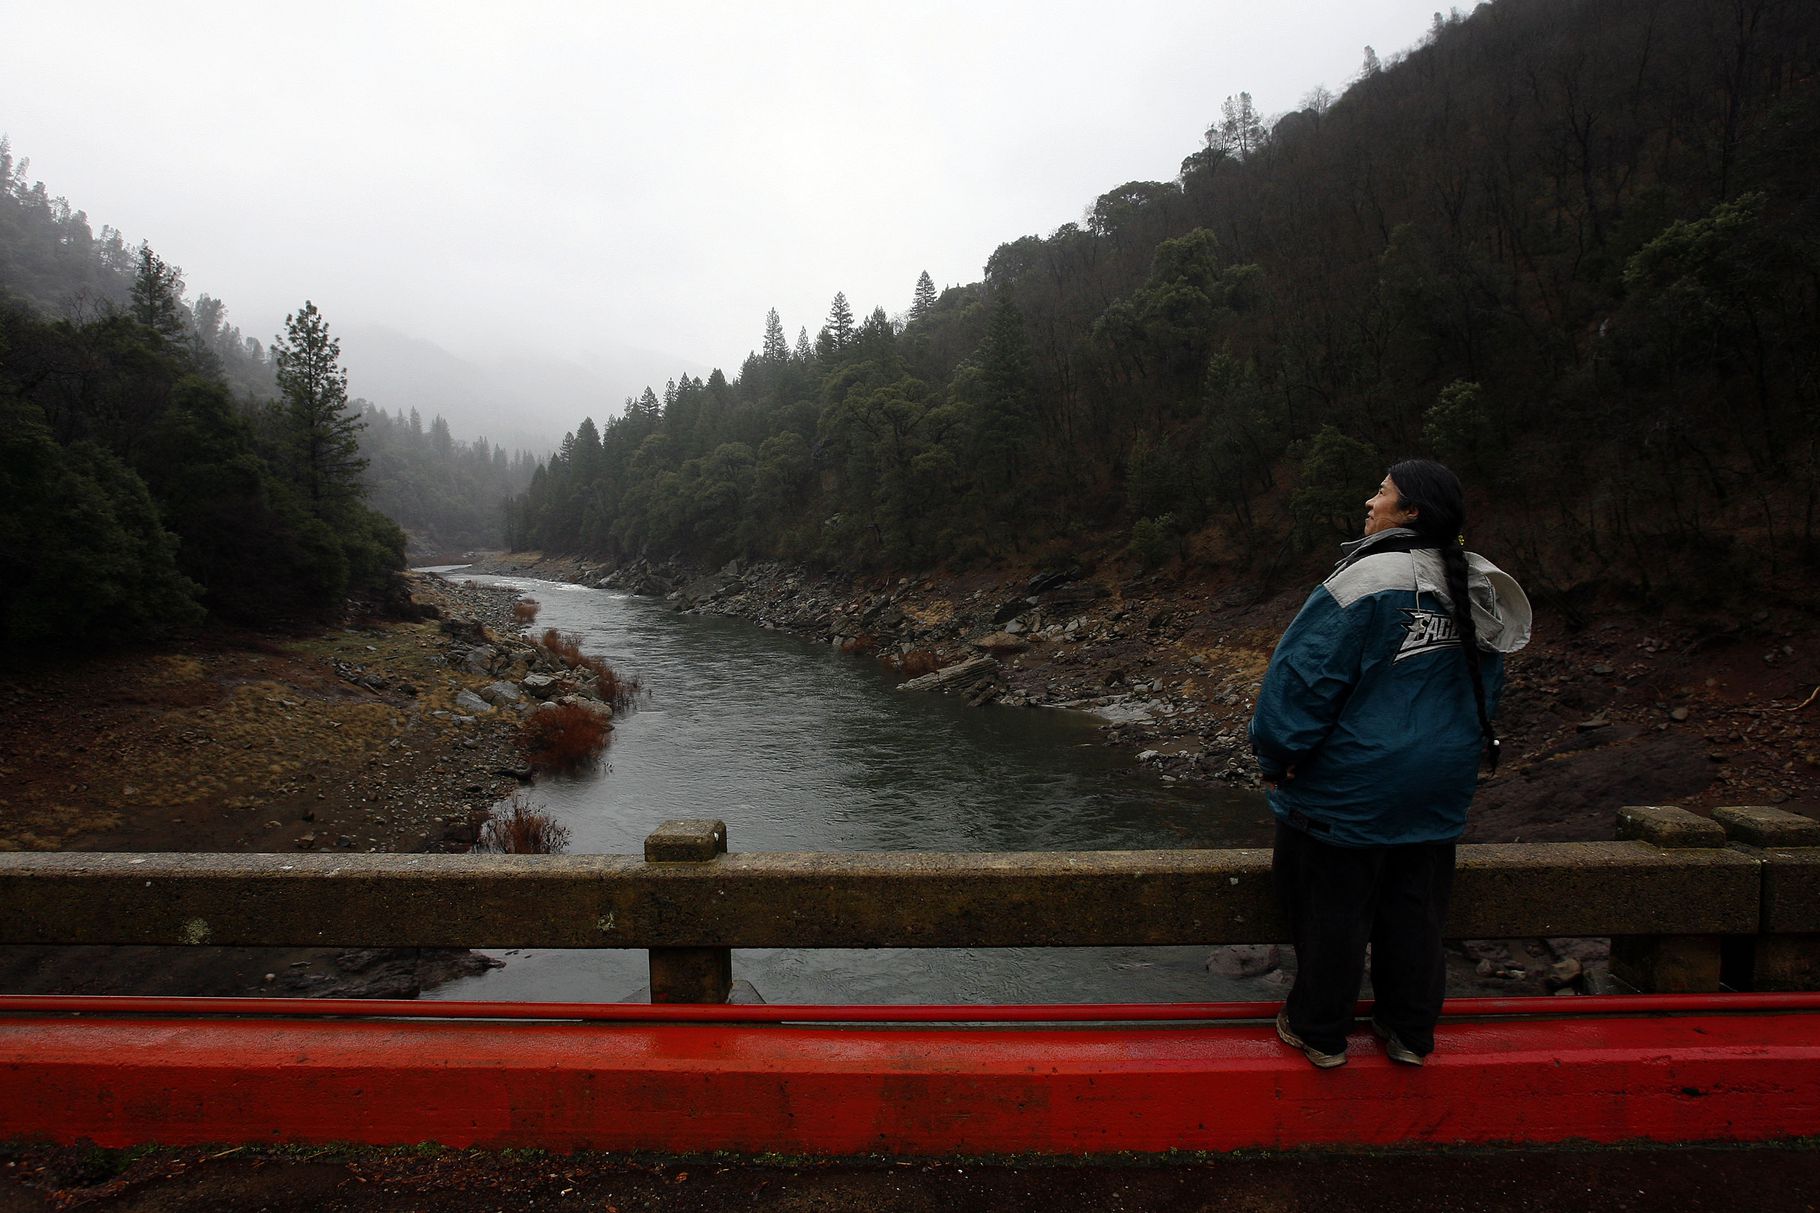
[643, 578]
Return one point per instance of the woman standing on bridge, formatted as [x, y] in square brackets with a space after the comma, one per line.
[1370, 727]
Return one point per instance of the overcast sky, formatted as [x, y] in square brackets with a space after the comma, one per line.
[628, 186]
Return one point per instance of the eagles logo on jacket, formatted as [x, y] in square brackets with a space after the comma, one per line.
[1368, 703]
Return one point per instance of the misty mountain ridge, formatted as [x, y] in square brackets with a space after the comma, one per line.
[515, 399]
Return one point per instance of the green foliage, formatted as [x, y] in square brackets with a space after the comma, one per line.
[373, 545]
[320, 433]
[923, 301]
[1158, 480]
[1154, 540]
[839, 330]
[53, 261]
[776, 347]
[1458, 428]
[158, 296]
[1168, 326]
[1337, 474]
[139, 492]
[82, 551]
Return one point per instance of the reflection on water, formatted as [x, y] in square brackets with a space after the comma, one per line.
[800, 748]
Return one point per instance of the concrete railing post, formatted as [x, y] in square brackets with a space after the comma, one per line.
[1668, 964]
[1785, 953]
[689, 974]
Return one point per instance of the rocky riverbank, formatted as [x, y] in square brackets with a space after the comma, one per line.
[381, 735]
[1695, 709]
[1692, 710]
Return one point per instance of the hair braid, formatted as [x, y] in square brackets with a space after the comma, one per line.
[1434, 493]
[1453, 560]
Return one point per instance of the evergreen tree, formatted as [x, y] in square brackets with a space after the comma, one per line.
[1003, 430]
[322, 434]
[840, 322]
[924, 299]
[158, 295]
[777, 348]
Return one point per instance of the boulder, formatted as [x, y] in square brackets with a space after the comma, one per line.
[471, 704]
[602, 710]
[501, 694]
[542, 686]
[1050, 580]
[479, 659]
[1001, 642]
[462, 628]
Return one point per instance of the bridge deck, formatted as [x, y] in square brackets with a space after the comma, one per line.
[816, 1080]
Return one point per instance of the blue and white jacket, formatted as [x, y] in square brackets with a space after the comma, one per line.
[1366, 720]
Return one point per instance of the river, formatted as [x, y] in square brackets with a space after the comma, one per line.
[798, 747]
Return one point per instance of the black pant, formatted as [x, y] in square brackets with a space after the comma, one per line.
[1337, 900]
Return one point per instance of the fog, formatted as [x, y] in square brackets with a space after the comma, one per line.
[518, 216]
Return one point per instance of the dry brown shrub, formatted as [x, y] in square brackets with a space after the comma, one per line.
[522, 829]
[609, 688]
[863, 643]
[565, 737]
[525, 610]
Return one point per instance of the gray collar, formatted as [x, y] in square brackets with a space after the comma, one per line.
[1356, 549]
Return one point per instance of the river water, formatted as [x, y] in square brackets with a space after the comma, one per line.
[798, 747]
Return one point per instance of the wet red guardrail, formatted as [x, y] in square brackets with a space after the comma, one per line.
[910, 1080]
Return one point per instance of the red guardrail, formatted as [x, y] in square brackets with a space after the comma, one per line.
[758, 1013]
[916, 1080]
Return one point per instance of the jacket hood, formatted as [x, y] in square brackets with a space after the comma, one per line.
[1500, 609]
[1503, 616]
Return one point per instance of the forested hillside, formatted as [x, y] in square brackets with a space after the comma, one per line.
[447, 494]
[140, 495]
[156, 465]
[1568, 245]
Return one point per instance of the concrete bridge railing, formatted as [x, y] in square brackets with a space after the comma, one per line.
[1690, 902]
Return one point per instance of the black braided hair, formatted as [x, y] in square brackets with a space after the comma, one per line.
[1434, 493]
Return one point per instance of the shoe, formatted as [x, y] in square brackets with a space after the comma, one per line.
[1322, 1061]
[1393, 1045]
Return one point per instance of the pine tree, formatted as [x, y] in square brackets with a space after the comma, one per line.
[1004, 420]
[777, 348]
[313, 392]
[840, 321]
[158, 295]
[924, 299]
